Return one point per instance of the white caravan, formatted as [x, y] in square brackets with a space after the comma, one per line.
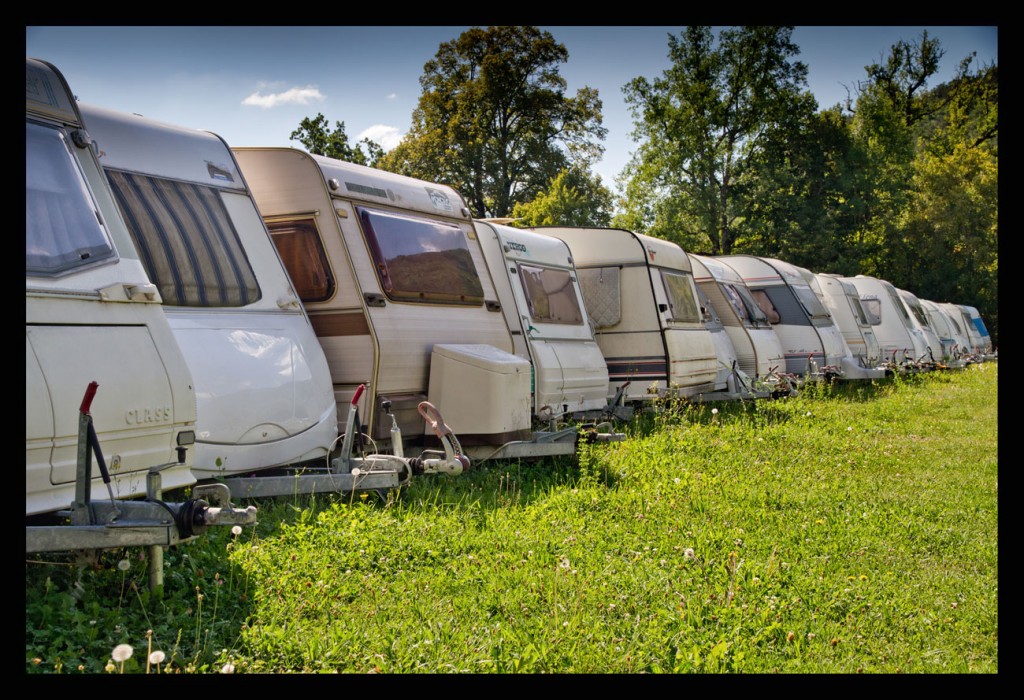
[813, 345]
[392, 273]
[106, 385]
[919, 318]
[954, 343]
[262, 383]
[756, 347]
[966, 334]
[986, 348]
[843, 301]
[899, 344]
[640, 293]
[731, 383]
[540, 296]
[91, 314]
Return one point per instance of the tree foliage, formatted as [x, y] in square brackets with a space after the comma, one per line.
[319, 139]
[700, 124]
[574, 198]
[494, 121]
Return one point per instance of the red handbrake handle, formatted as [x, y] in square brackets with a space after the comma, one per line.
[90, 392]
[359, 392]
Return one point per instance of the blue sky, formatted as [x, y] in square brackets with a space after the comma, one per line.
[253, 85]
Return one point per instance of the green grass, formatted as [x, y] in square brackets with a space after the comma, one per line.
[850, 529]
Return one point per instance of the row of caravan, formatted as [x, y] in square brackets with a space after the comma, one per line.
[256, 321]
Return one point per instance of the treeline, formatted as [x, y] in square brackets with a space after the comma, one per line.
[733, 154]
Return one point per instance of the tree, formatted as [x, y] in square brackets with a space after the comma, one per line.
[494, 121]
[317, 137]
[573, 199]
[699, 125]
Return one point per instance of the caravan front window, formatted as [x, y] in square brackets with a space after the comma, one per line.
[809, 300]
[858, 311]
[681, 297]
[63, 228]
[186, 241]
[418, 259]
[551, 295]
[302, 252]
[872, 309]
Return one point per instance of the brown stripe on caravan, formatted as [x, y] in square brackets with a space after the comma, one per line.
[339, 324]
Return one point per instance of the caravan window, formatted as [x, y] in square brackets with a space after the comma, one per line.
[858, 311]
[63, 228]
[419, 259]
[872, 309]
[681, 299]
[766, 305]
[708, 312]
[898, 303]
[601, 294]
[810, 301]
[919, 313]
[551, 295]
[302, 252]
[186, 241]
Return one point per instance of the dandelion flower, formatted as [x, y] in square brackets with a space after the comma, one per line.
[714, 411]
[688, 553]
[227, 668]
[124, 565]
[110, 667]
[122, 652]
[564, 563]
[236, 531]
[157, 658]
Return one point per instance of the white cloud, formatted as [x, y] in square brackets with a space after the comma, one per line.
[300, 96]
[387, 136]
[392, 97]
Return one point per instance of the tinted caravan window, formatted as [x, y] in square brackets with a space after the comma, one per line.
[298, 243]
[418, 259]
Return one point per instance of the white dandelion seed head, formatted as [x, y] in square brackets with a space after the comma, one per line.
[236, 530]
[227, 668]
[357, 471]
[122, 652]
[688, 553]
[714, 411]
[157, 657]
[124, 565]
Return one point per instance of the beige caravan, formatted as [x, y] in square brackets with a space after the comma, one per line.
[640, 293]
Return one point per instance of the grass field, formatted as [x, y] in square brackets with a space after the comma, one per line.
[850, 529]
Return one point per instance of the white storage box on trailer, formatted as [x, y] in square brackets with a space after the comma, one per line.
[485, 392]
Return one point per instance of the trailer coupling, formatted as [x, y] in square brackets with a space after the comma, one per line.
[124, 522]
